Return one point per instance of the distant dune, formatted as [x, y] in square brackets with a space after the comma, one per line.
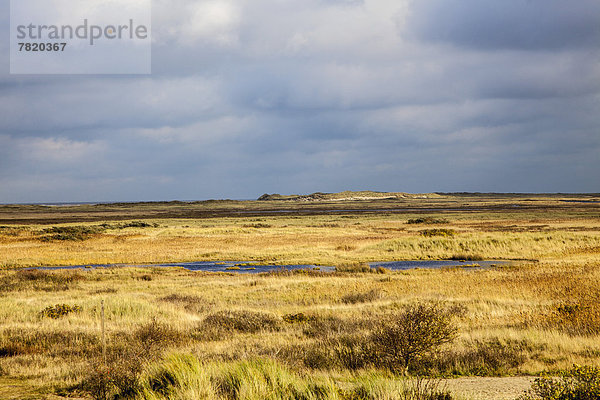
[347, 196]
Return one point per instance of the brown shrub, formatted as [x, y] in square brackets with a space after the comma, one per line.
[224, 322]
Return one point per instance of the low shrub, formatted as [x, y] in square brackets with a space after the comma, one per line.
[438, 232]
[483, 358]
[417, 332]
[365, 297]
[132, 224]
[331, 326]
[49, 281]
[70, 233]
[467, 257]
[428, 220]
[419, 388]
[12, 230]
[157, 335]
[353, 352]
[578, 383]
[298, 318]
[138, 224]
[120, 377]
[63, 343]
[354, 268]
[190, 303]
[59, 310]
[223, 322]
[581, 318]
[572, 317]
[257, 226]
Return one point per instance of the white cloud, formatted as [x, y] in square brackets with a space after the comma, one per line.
[213, 22]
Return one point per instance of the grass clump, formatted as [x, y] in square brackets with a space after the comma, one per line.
[438, 232]
[59, 310]
[183, 376]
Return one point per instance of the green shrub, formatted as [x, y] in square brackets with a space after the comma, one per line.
[438, 232]
[59, 310]
[417, 332]
[578, 383]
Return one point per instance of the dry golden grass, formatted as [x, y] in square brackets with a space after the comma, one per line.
[326, 240]
[512, 313]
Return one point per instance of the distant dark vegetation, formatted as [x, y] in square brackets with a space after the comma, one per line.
[81, 232]
[428, 220]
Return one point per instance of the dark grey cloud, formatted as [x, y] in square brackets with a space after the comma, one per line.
[507, 24]
[291, 97]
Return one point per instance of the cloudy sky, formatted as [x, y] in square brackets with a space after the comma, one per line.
[255, 96]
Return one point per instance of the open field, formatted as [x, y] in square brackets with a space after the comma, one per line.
[311, 332]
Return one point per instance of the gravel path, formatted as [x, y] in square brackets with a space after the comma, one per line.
[488, 388]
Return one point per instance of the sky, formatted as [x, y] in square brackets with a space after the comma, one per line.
[278, 96]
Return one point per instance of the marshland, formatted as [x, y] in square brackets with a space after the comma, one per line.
[352, 332]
